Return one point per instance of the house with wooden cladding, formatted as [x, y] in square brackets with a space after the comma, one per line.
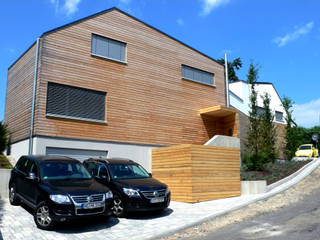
[110, 84]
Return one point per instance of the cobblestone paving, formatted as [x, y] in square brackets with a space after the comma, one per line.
[16, 222]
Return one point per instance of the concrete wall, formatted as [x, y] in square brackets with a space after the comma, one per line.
[253, 187]
[17, 150]
[4, 182]
[137, 153]
[223, 141]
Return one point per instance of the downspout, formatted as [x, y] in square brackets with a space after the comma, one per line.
[227, 78]
[35, 74]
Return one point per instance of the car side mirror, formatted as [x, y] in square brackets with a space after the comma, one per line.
[32, 176]
[150, 174]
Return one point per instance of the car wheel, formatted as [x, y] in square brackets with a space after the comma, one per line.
[42, 217]
[117, 209]
[13, 198]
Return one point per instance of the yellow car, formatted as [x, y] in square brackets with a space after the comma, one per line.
[307, 150]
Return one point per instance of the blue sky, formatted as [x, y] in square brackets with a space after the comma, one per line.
[283, 36]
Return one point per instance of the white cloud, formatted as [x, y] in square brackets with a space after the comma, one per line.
[282, 41]
[180, 21]
[69, 7]
[307, 114]
[209, 5]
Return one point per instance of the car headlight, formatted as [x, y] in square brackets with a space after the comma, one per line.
[131, 192]
[61, 199]
[109, 195]
[167, 191]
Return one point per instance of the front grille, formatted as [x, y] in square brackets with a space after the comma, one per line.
[154, 194]
[88, 198]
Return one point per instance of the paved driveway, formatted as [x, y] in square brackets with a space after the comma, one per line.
[17, 222]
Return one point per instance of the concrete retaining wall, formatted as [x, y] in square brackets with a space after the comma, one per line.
[4, 182]
[253, 187]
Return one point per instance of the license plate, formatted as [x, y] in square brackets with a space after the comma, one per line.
[90, 205]
[157, 200]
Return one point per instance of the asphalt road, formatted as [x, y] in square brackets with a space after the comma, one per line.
[299, 221]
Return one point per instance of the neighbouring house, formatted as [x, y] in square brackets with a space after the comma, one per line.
[112, 84]
[239, 93]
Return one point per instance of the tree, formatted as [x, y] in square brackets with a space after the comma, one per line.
[255, 157]
[291, 130]
[267, 138]
[3, 137]
[253, 128]
[236, 64]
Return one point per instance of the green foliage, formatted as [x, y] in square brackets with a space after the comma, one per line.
[252, 145]
[3, 137]
[273, 171]
[254, 162]
[236, 64]
[267, 137]
[4, 162]
[291, 130]
[295, 135]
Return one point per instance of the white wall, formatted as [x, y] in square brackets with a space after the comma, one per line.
[137, 153]
[242, 90]
[17, 150]
[239, 96]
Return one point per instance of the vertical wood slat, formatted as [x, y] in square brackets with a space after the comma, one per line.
[196, 173]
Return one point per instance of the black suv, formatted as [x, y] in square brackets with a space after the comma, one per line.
[58, 189]
[132, 186]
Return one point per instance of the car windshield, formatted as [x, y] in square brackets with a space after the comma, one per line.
[128, 171]
[57, 170]
[305, 147]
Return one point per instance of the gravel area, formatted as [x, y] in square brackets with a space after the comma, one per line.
[290, 196]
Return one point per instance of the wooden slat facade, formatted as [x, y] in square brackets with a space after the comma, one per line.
[196, 173]
[147, 100]
[19, 96]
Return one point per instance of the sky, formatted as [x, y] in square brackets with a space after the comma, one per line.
[281, 36]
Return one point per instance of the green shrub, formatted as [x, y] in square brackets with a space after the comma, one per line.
[4, 162]
[254, 162]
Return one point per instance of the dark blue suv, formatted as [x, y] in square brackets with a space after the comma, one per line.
[58, 189]
[132, 186]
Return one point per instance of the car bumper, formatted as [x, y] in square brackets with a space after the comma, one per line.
[142, 204]
[61, 213]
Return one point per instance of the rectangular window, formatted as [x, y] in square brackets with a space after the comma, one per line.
[76, 103]
[260, 111]
[108, 48]
[197, 75]
[279, 116]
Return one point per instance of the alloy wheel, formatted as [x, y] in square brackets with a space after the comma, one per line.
[117, 206]
[43, 217]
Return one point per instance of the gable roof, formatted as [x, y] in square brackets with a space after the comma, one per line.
[106, 11]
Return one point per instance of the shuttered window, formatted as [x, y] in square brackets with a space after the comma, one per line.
[108, 48]
[75, 102]
[197, 75]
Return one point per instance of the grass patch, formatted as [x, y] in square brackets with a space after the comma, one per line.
[274, 172]
[4, 162]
